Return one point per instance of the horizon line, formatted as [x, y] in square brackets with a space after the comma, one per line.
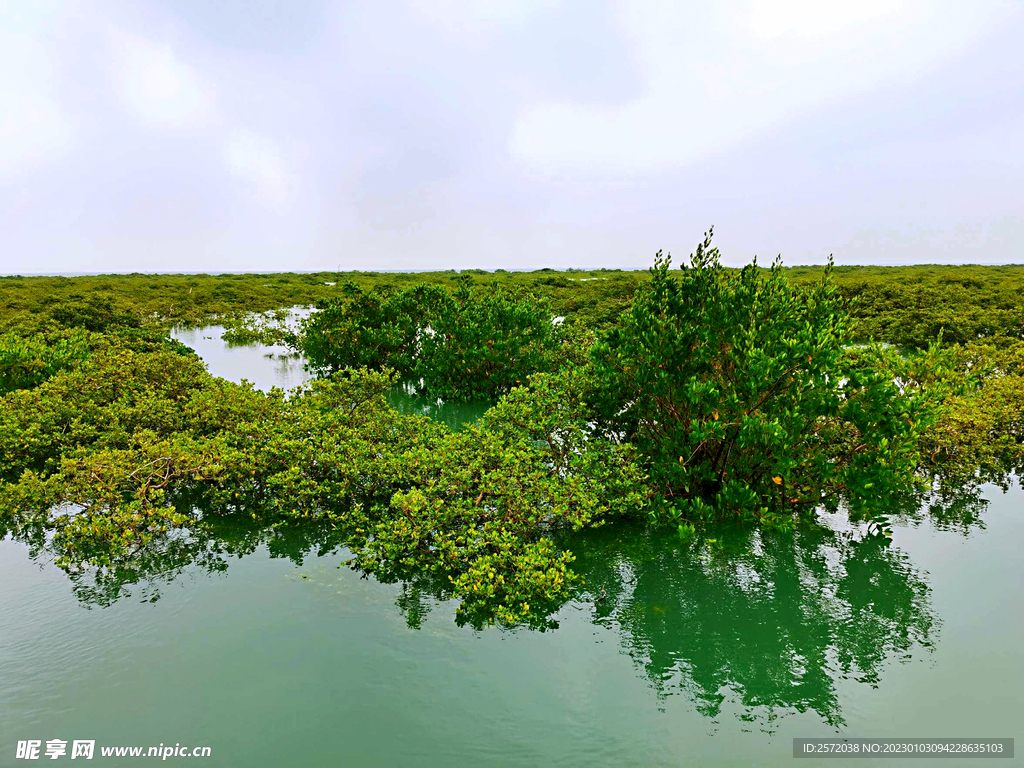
[471, 269]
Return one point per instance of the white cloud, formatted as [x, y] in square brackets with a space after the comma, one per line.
[34, 128]
[815, 20]
[424, 133]
[163, 91]
[712, 83]
[157, 87]
[255, 160]
[472, 23]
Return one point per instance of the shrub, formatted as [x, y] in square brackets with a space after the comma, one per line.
[739, 391]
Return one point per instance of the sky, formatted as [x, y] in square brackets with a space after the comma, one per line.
[282, 135]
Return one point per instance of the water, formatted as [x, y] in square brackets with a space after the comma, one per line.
[276, 366]
[263, 366]
[255, 642]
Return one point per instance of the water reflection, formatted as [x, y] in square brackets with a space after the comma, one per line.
[454, 415]
[208, 548]
[278, 366]
[748, 622]
[956, 510]
[758, 622]
[264, 366]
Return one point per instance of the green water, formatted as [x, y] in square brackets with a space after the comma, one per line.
[255, 642]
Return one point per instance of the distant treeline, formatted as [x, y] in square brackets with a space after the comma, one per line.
[907, 306]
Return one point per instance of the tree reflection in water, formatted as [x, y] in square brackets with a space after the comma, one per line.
[754, 622]
[142, 573]
[757, 621]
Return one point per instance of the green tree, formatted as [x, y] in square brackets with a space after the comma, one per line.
[738, 389]
[372, 329]
[470, 343]
[483, 342]
[26, 361]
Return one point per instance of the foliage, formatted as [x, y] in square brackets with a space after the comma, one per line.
[593, 297]
[94, 313]
[458, 345]
[113, 394]
[488, 496]
[481, 343]
[738, 391]
[367, 329]
[115, 453]
[26, 361]
[907, 305]
[710, 393]
[979, 436]
[268, 328]
[913, 306]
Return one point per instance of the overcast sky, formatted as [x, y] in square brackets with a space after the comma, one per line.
[226, 135]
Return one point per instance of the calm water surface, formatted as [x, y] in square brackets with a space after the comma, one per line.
[715, 653]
